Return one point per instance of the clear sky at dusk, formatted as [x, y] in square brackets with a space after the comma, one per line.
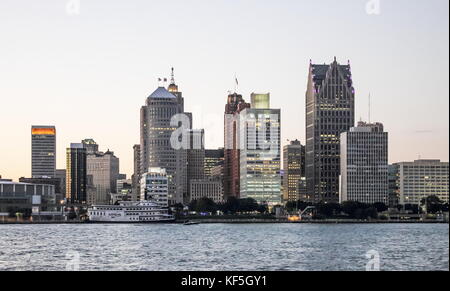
[89, 73]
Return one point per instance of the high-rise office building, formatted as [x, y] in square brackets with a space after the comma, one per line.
[231, 180]
[104, 169]
[260, 153]
[364, 164]
[294, 170]
[330, 111]
[61, 175]
[195, 159]
[156, 132]
[394, 187]
[43, 151]
[213, 158]
[421, 179]
[76, 174]
[136, 177]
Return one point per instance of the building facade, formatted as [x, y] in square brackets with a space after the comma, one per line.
[364, 164]
[231, 180]
[213, 158]
[421, 179]
[260, 154]
[104, 169]
[26, 197]
[207, 188]
[155, 186]
[136, 177]
[294, 170]
[156, 132]
[330, 111]
[76, 174]
[43, 151]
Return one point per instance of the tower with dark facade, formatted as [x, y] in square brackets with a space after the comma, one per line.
[76, 174]
[330, 111]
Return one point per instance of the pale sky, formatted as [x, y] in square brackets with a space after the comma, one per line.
[89, 73]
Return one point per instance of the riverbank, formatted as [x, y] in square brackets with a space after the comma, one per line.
[249, 221]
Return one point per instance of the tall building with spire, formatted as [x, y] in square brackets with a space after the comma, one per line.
[231, 180]
[156, 133]
[330, 111]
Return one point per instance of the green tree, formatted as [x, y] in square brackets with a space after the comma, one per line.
[231, 206]
[247, 205]
[433, 204]
[206, 205]
[380, 207]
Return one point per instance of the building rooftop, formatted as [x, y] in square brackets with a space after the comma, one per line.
[162, 92]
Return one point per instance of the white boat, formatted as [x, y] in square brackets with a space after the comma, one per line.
[130, 212]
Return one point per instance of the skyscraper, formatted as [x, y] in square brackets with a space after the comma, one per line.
[213, 158]
[104, 169]
[294, 170]
[232, 176]
[156, 133]
[136, 178]
[76, 178]
[43, 151]
[260, 154]
[330, 111]
[364, 164]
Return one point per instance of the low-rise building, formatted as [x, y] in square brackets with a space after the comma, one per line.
[155, 186]
[421, 179]
[207, 188]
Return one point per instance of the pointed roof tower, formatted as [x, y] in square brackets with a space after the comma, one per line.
[173, 88]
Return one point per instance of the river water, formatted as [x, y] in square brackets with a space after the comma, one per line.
[224, 247]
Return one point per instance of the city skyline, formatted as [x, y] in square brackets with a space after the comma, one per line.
[390, 76]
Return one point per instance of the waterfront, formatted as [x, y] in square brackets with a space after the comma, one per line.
[203, 247]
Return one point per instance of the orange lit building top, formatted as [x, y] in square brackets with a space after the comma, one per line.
[43, 131]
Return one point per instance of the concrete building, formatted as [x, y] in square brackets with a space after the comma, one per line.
[76, 174]
[195, 158]
[136, 177]
[43, 151]
[260, 154]
[422, 178]
[156, 132]
[61, 175]
[394, 187]
[330, 111]
[364, 164]
[104, 169]
[209, 188]
[155, 186]
[294, 170]
[25, 197]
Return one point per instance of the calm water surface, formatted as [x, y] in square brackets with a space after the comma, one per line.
[224, 247]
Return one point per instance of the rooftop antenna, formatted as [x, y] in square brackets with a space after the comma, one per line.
[172, 79]
[236, 87]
